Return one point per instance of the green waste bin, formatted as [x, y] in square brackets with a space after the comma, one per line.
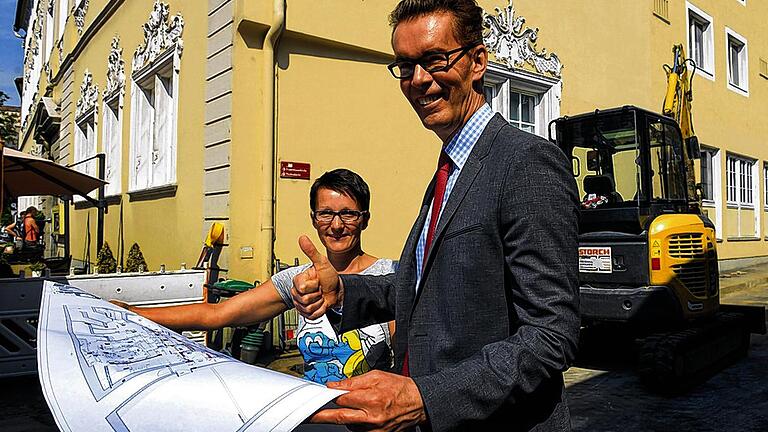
[251, 345]
[226, 289]
[229, 287]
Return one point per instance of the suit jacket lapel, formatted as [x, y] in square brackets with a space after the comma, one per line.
[459, 191]
[406, 295]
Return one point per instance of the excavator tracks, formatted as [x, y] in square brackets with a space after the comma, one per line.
[673, 362]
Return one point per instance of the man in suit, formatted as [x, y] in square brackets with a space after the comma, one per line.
[485, 299]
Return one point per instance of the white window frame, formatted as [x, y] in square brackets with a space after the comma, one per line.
[112, 143]
[520, 123]
[740, 181]
[744, 171]
[151, 166]
[86, 146]
[716, 201]
[546, 93]
[705, 68]
[743, 62]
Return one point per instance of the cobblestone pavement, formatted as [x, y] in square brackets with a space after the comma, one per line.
[23, 407]
[736, 399]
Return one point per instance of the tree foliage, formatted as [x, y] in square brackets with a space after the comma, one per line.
[106, 262]
[9, 124]
[135, 260]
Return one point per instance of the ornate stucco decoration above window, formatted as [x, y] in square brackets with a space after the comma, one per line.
[78, 12]
[115, 70]
[89, 95]
[32, 49]
[513, 45]
[37, 150]
[160, 34]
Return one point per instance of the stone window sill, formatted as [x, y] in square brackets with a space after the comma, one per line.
[166, 191]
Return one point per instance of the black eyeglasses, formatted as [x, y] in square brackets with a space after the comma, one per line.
[346, 216]
[432, 62]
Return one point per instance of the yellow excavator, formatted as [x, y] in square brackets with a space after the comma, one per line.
[648, 266]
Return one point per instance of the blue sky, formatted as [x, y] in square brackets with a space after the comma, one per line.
[11, 54]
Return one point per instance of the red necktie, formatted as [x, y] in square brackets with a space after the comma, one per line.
[443, 169]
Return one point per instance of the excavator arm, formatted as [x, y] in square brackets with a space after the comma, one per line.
[677, 105]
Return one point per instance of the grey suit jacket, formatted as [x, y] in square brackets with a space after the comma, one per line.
[495, 320]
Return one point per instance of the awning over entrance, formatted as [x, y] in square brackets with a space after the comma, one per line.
[24, 174]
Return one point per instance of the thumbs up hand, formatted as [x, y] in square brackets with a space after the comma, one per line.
[318, 288]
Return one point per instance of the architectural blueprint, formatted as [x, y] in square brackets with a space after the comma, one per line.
[103, 368]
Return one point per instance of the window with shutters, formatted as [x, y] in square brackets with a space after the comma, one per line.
[49, 32]
[112, 142]
[153, 126]
[61, 18]
[527, 103]
[85, 148]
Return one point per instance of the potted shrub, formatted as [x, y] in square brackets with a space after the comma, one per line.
[105, 262]
[37, 268]
[135, 261]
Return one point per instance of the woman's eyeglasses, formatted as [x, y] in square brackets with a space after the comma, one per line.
[346, 216]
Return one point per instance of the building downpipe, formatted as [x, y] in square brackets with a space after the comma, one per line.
[268, 174]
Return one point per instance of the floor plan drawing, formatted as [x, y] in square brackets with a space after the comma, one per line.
[103, 368]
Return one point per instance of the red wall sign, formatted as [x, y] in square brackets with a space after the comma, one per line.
[294, 170]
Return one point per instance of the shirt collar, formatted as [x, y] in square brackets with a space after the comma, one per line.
[459, 147]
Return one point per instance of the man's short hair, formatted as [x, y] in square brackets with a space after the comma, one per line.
[468, 16]
[345, 182]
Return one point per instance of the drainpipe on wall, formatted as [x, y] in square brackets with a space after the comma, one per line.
[271, 41]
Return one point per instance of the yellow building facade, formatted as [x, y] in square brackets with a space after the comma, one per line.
[200, 106]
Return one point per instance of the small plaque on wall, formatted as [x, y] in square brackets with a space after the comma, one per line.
[294, 170]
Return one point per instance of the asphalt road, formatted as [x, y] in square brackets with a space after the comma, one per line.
[736, 399]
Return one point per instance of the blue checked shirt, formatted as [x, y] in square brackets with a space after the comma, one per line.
[458, 149]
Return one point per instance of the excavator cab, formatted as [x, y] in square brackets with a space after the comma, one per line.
[647, 255]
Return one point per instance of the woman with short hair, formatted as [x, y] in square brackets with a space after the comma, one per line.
[339, 202]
